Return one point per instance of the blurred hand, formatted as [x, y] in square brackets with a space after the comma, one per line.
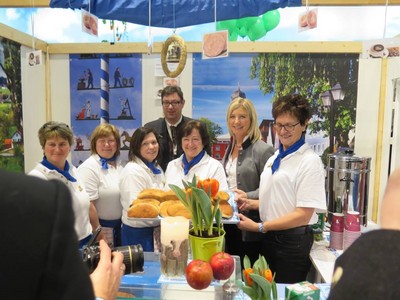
[247, 224]
[106, 278]
[245, 204]
[242, 204]
[240, 199]
[239, 194]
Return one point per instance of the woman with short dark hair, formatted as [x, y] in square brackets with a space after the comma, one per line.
[292, 192]
[195, 159]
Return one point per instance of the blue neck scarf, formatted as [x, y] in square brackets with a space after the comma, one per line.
[104, 161]
[188, 165]
[283, 153]
[64, 172]
[152, 167]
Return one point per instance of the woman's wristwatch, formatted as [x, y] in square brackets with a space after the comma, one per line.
[261, 228]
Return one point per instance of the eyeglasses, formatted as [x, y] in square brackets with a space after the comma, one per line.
[54, 125]
[173, 103]
[287, 127]
[104, 142]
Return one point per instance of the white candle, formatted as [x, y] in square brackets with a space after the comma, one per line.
[174, 229]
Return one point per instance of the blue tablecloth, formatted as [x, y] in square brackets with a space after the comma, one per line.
[147, 285]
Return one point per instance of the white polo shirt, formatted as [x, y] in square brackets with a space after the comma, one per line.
[299, 182]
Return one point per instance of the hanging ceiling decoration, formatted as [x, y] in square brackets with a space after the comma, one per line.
[187, 12]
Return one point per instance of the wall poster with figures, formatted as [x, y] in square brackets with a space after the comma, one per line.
[104, 87]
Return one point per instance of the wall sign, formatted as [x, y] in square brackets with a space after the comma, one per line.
[173, 54]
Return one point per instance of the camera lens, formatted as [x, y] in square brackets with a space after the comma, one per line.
[133, 258]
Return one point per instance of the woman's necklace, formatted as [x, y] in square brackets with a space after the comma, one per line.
[239, 146]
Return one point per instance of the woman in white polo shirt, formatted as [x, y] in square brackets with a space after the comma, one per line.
[292, 192]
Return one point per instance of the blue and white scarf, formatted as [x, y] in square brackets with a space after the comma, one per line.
[104, 161]
[152, 167]
[64, 172]
[283, 153]
[188, 165]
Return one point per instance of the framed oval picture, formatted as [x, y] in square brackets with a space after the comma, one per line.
[173, 53]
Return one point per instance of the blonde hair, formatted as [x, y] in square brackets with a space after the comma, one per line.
[104, 130]
[254, 131]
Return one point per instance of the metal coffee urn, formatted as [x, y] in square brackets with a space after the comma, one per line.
[348, 183]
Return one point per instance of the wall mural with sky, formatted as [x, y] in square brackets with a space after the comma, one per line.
[263, 77]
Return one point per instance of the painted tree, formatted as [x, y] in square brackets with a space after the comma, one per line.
[12, 68]
[310, 75]
[11, 119]
[213, 129]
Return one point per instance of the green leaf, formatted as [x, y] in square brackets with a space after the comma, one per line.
[186, 185]
[263, 264]
[218, 217]
[179, 193]
[263, 283]
[274, 290]
[246, 262]
[250, 292]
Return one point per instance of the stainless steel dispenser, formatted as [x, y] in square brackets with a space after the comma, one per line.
[348, 183]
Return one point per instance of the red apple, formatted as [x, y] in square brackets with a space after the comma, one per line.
[199, 274]
[222, 265]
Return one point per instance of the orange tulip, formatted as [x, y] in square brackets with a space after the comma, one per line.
[268, 275]
[246, 275]
[209, 185]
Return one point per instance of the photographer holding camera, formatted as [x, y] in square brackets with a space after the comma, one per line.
[39, 257]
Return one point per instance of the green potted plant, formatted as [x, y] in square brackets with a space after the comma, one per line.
[259, 283]
[200, 198]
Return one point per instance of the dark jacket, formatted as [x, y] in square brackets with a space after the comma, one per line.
[370, 268]
[160, 126]
[39, 254]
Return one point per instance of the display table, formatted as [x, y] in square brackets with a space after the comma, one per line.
[151, 285]
[323, 258]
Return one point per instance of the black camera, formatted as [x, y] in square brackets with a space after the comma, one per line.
[133, 255]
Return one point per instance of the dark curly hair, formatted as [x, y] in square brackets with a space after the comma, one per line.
[295, 104]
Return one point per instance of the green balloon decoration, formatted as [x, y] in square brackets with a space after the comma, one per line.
[257, 30]
[253, 27]
[233, 35]
[242, 31]
[241, 22]
[226, 25]
[250, 21]
[271, 19]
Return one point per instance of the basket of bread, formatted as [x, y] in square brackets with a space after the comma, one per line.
[155, 203]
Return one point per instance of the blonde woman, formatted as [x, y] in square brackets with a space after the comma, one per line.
[243, 162]
[100, 174]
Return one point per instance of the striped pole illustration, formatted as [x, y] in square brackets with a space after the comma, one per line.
[105, 88]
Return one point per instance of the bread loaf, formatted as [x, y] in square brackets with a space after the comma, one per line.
[226, 210]
[151, 194]
[143, 210]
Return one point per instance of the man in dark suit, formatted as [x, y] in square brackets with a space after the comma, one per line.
[39, 257]
[170, 127]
